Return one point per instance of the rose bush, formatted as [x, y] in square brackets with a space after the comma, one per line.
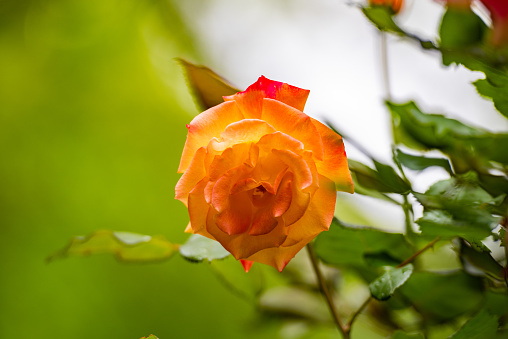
[260, 176]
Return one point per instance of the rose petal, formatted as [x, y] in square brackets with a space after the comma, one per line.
[194, 174]
[295, 123]
[250, 101]
[237, 217]
[278, 257]
[279, 140]
[318, 215]
[298, 166]
[244, 245]
[283, 198]
[198, 207]
[232, 157]
[264, 222]
[207, 125]
[246, 264]
[334, 165]
[244, 131]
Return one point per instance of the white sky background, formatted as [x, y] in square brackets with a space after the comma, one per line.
[329, 47]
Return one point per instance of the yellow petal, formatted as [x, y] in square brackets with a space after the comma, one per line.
[334, 165]
[194, 174]
[295, 123]
[207, 125]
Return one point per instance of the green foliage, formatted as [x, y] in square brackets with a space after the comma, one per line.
[483, 325]
[461, 28]
[353, 246]
[207, 86]
[382, 17]
[457, 207]
[125, 246]
[420, 162]
[443, 296]
[403, 335]
[198, 248]
[384, 286]
[481, 260]
[377, 182]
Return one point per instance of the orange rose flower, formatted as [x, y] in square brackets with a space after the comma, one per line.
[395, 5]
[260, 176]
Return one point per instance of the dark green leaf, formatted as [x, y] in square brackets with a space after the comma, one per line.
[461, 28]
[441, 223]
[380, 259]
[125, 246]
[347, 245]
[482, 326]
[420, 162]
[403, 335]
[383, 179]
[383, 287]
[419, 130]
[481, 260]
[382, 18]
[198, 248]
[457, 207]
[207, 86]
[496, 303]
[443, 296]
[497, 92]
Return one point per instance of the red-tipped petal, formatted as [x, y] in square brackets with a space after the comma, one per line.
[250, 100]
[247, 264]
[334, 165]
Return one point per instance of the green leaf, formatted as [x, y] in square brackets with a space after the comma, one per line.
[457, 207]
[403, 335]
[207, 86]
[383, 179]
[441, 223]
[481, 260]
[349, 245]
[443, 296]
[382, 18]
[125, 246]
[420, 162]
[482, 326]
[461, 28]
[383, 287]
[380, 259]
[198, 248]
[495, 91]
[496, 303]
[419, 130]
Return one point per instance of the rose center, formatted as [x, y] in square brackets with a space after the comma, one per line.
[260, 197]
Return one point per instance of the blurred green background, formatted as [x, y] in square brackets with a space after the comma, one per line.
[93, 110]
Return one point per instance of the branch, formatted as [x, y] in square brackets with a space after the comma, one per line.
[324, 290]
[416, 254]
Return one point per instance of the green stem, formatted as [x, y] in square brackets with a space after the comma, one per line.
[417, 253]
[324, 290]
[384, 64]
[408, 211]
[357, 313]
